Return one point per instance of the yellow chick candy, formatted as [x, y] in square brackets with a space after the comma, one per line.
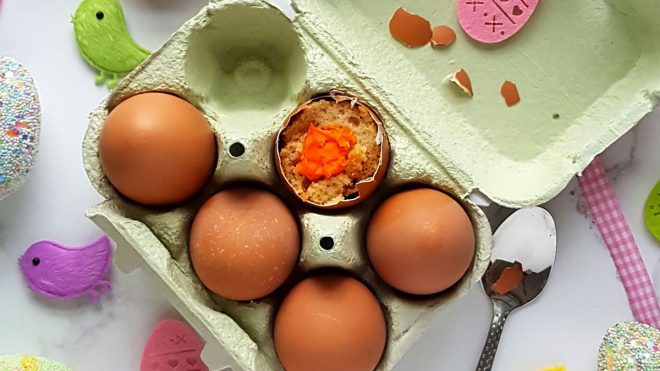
[555, 368]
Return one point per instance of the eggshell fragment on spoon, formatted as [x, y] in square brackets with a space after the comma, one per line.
[462, 80]
[443, 36]
[410, 29]
[509, 279]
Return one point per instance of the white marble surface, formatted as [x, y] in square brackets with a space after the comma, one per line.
[582, 299]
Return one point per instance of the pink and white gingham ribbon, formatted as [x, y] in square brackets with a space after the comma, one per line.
[606, 213]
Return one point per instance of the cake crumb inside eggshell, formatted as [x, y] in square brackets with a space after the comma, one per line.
[332, 151]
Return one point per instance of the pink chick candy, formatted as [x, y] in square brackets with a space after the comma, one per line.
[61, 272]
[172, 346]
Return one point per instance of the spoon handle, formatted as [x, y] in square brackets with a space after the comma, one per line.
[500, 312]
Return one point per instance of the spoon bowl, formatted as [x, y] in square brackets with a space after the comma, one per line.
[524, 250]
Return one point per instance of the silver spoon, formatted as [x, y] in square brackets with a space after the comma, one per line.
[524, 246]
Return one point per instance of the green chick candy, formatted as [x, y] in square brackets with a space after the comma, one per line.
[104, 41]
[652, 212]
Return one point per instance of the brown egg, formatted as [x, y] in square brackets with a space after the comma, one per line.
[244, 243]
[420, 241]
[157, 149]
[330, 322]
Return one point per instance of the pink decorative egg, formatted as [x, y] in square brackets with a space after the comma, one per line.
[172, 346]
[493, 21]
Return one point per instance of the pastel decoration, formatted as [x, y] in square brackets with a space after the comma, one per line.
[172, 346]
[652, 212]
[20, 124]
[104, 41]
[493, 21]
[30, 363]
[610, 221]
[630, 346]
[61, 272]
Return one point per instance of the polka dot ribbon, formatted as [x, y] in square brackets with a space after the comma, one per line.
[608, 217]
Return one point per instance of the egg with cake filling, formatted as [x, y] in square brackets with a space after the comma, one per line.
[420, 241]
[330, 322]
[244, 243]
[157, 149]
[332, 152]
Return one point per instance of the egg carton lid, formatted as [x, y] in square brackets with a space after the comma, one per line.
[579, 94]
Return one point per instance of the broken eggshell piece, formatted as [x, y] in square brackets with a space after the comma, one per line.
[443, 36]
[364, 187]
[509, 279]
[410, 29]
[462, 80]
[510, 93]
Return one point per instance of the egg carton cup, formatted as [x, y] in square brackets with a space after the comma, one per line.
[246, 67]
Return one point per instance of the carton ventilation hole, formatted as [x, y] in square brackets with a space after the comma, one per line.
[237, 149]
[327, 243]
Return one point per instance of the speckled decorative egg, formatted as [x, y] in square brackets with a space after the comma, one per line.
[20, 123]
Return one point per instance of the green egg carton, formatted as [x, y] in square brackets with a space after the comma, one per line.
[586, 70]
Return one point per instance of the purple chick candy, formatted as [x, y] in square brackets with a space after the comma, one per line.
[61, 272]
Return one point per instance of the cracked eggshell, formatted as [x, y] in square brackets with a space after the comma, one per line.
[443, 36]
[410, 29]
[365, 187]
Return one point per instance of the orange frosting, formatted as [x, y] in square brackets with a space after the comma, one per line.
[325, 151]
